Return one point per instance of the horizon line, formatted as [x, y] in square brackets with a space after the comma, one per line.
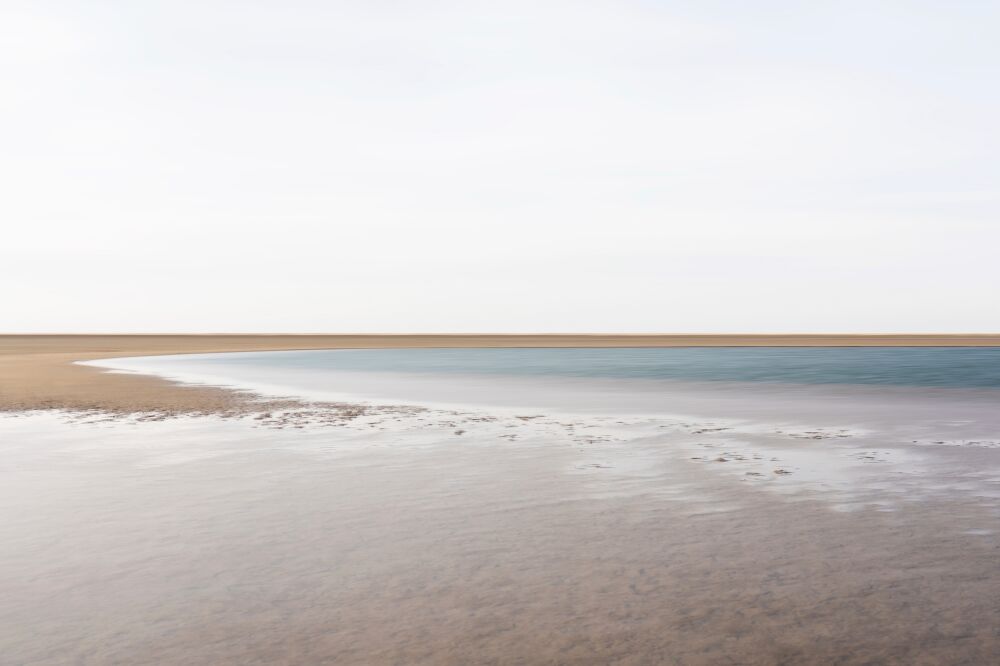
[487, 334]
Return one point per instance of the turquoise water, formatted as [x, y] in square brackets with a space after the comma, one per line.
[958, 367]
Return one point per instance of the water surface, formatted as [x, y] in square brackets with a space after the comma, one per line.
[957, 367]
[914, 391]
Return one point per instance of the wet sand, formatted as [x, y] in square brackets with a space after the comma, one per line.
[432, 537]
[37, 371]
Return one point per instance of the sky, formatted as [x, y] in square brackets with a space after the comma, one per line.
[540, 166]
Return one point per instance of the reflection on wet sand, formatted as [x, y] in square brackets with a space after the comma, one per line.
[407, 535]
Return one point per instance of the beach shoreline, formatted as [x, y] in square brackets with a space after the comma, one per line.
[483, 533]
[39, 371]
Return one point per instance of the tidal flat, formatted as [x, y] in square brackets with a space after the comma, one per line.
[386, 535]
[533, 506]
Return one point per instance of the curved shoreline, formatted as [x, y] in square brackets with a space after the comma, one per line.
[38, 371]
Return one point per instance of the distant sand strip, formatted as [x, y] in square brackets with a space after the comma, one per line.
[37, 371]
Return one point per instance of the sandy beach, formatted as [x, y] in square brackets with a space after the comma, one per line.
[149, 521]
[38, 371]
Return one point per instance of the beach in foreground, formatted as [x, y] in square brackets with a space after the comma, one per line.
[546, 521]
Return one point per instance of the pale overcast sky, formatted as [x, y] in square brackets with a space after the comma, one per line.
[504, 166]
